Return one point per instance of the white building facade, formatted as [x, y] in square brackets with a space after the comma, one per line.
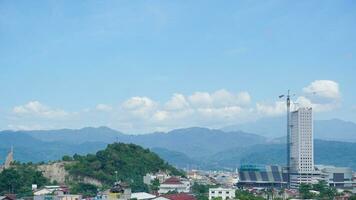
[174, 184]
[302, 147]
[223, 193]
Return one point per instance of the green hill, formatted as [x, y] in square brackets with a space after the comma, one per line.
[130, 161]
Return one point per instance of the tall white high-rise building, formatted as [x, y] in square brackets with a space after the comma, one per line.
[301, 149]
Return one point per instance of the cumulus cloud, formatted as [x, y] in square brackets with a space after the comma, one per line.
[322, 95]
[210, 109]
[142, 107]
[177, 102]
[278, 108]
[220, 98]
[103, 108]
[35, 108]
[325, 89]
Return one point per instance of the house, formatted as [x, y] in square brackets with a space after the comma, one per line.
[174, 184]
[223, 193]
[58, 197]
[179, 196]
[119, 191]
[8, 197]
[53, 189]
[142, 196]
[160, 176]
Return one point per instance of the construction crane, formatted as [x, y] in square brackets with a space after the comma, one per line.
[288, 96]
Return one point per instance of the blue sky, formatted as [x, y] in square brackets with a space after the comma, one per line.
[82, 63]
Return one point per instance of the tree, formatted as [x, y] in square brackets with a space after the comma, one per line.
[87, 190]
[131, 162]
[19, 178]
[67, 158]
[155, 185]
[201, 191]
[245, 195]
[353, 197]
[326, 192]
[304, 191]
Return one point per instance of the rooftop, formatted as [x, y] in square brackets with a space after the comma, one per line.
[172, 181]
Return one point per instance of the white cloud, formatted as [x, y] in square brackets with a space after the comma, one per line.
[142, 107]
[303, 101]
[220, 98]
[278, 108]
[201, 99]
[322, 95]
[26, 127]
[324, 89]
[142, 114]
[177, 102]
[103, 108]
[35, 108]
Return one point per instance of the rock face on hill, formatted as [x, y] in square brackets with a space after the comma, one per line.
[55, 172]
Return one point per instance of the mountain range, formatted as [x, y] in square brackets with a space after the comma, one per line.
[333, 129]
[191, 147]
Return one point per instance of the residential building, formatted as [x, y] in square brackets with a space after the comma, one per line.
[8, 197]
[57, 197]
[142, 196]
[51, 189]
[223, 193]
[179, 196]
[301, 147]
[161, 176]
[174, 184]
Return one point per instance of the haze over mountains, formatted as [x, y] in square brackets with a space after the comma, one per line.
[190, 147]
[333, 129]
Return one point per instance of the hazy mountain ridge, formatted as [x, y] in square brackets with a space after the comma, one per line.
[199, 147]
[333, 129]
[195, 141]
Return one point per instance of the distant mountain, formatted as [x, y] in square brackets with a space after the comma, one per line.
[326, 152]
[195, 142]
[30, 149]
[77, 136]
[198, 142]
[190, 147]
[175, 158]
[334, 129]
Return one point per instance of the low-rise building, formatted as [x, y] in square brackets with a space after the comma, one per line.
[338, 177]
[142, 196]
[262, 176]
[57, 197]
[174, 184]
[51, 189]
[179, 196]
[160, 176]
[223, 193]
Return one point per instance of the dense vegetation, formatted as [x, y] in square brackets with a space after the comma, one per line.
[245, 195]
[87, 190]
[19, 178]
[201, 192]
[325, 192]
[124, 162]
